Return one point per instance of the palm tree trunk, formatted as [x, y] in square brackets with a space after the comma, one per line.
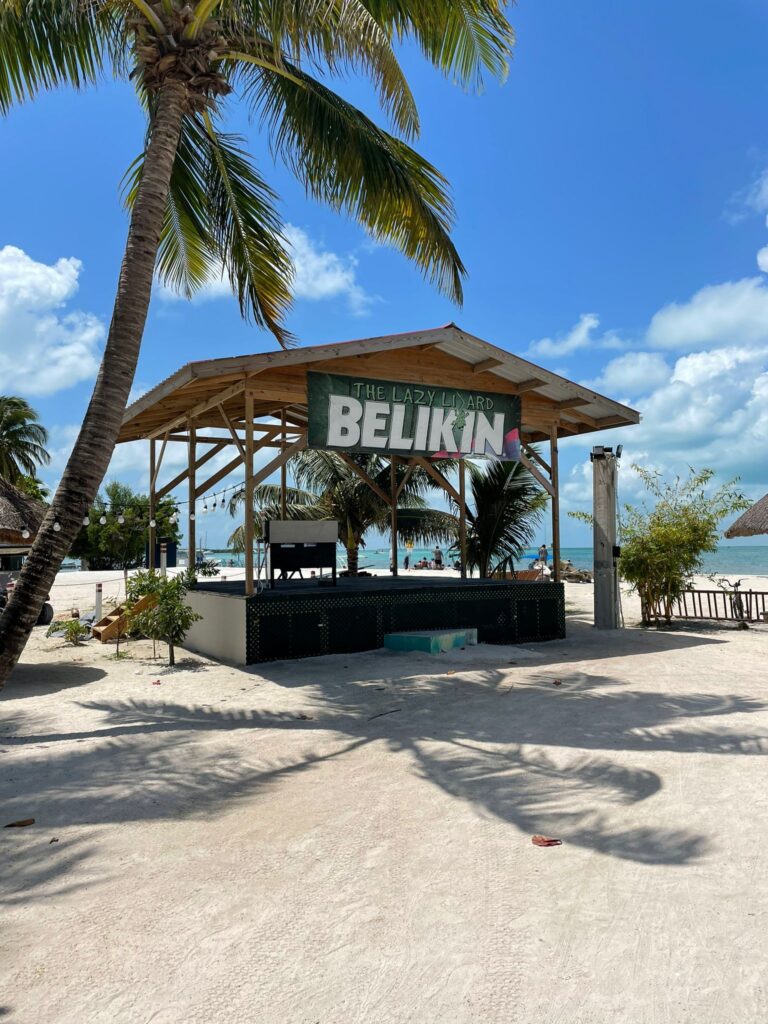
[352, 557]
[93, 449]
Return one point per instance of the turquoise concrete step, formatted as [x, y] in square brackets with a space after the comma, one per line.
[433, 641]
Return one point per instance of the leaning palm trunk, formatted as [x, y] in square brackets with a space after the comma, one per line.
[353, 552]
[93, 449]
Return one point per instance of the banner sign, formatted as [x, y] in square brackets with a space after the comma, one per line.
[352, 414]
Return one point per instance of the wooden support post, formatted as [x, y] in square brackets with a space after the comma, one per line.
[191, 478]
[555, 503]
[463, 518]
[152, 533]
[248, 524]
[393, 510]
[283, 468]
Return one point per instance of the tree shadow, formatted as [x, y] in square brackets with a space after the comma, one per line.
[40, 680]
[473, 735]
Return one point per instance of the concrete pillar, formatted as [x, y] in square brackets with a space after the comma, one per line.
[604, 538]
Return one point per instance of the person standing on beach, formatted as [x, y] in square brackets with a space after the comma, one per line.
[407, 562]
[543, 554]
[438, 557]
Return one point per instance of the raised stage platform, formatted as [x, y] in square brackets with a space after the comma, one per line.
[302, 618]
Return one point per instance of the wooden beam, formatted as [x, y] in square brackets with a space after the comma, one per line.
[185, 473]
[572, 403]
[438, 477]
[463, 517]
[364, 476]
[393, 509]
[537, 474]
[555, 504]
[191, 467]
[406, 477]
[213, 480]
[283, 468]
[152, 478]
[533, 454]
[486, 364]
[248, 425]
[278, 461]
[159, 462]
[198, 410]
[528, 385]
[248, 516]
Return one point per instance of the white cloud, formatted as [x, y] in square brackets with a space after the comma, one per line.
[752, 199]
[319, 274]
[735, 312]
[762, 259]
[581, 335]
[635, 373]
[322, 274]
[42, 349]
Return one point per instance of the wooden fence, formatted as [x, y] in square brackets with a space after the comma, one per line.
[719, 604]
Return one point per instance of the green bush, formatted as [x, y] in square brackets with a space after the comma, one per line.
[169, 619]
[74, 631]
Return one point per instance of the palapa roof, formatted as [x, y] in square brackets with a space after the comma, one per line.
[443, 356]
[18, 512]
[753, 522]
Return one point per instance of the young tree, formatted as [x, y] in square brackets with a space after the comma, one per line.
[662, 544]
[169, 618]
[504, 507]
[198, 207]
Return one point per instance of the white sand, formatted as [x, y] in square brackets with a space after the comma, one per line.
[346, 840]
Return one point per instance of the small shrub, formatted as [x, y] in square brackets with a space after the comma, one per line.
[74, 631]
[169, 618]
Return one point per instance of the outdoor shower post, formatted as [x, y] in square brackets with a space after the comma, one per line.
[604, 537]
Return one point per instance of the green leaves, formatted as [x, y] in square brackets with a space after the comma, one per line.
[22, 440]
[220, 220]
[46, 43]
[345, 160]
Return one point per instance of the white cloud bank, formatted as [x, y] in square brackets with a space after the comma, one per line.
[319, 275]
[581, 335]
[43, 348]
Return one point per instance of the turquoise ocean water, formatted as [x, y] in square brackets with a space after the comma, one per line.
[729, 559]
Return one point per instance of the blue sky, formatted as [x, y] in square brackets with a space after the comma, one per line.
[612, 199]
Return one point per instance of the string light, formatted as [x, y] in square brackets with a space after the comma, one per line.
[103, 520]
[56, 527]
[121, 519]
[25, 533]
[152, 524]
[86, 521]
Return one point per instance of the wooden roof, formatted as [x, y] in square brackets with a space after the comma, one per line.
[444, 356]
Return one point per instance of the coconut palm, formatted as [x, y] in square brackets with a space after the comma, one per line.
[198, 205]
[504, 507]
[22, 441]
[328, 488]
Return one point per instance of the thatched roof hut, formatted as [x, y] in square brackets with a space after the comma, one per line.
[753, 522]
[18, 512]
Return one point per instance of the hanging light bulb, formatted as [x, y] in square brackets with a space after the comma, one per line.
[121, 519]
[56, 527]
[152, 524]
[103, 520]
[172, 520]
[25, 533]
[205, 507]
[192, 517]
[86, 520]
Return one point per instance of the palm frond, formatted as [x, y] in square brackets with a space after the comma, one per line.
[220, 219]
[345, 160]
[462, 38]
[334, 36]
[48, 43]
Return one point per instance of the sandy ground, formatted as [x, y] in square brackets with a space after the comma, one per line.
[347, 840]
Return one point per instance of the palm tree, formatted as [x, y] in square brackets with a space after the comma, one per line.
[328, 488]
[504, 508]
[22, 441]
[197, 204]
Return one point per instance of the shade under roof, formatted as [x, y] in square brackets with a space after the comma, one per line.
[444, 356]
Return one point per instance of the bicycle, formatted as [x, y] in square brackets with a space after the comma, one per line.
[737, 601]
